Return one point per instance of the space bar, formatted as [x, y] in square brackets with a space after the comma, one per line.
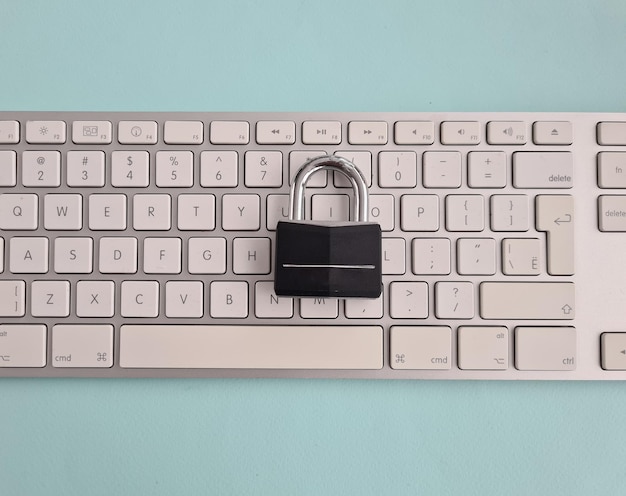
[251, 347]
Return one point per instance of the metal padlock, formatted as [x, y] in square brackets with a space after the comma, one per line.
[328, 259]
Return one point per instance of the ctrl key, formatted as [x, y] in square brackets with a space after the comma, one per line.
[545, 348]
[22, 345]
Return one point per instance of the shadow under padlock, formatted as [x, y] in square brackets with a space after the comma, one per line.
[328, 259]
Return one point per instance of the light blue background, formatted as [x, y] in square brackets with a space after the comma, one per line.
[275, 437]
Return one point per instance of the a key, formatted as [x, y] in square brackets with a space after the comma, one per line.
[545, 348]
[521, 256]
[330, 207]
[22, 345]
[298, 158]
[552, 133]
[275, 132]
[277, 210]
[137, 132]
[506, 133]
[611, 133]
[543, 170]
[228, 299]
[612, 169]
[130, 169]
[63, 212]
[555, 215]
[162, 255]
[8, 168]
[73, 255]
[319, 308]
[266, 347]
[611, 213]
[95, 298]
[527, 300]
[107, 212]
[393, 256]
[321, 132]
[241, 212]
[89, 346]
[12, 298]
[510, 213]
[263, 169]
[421, 347]
[419, 212]
[85, 169]
[486, 169]
[196, 212]
[41, 169]
[140, 299]
[152, 212]
[364, 308]
[431, 256]
[18, 212]
[50, 298]
[184, 299]
[219, 169]
[362, 161]
[442, 170]
[52, 132]
[9, 132]
[91, 132]
[613, 348]
[397, 169]
[28, 255]
[414, 133]
[465, 212]
[251, 256]
[476, 256]
[118, 255]
[229, 132]
[367, 132]
[454, 300]
[207, 256]
[183, 132]
[174, 169]
[408, 300]
[460, 133]
[483, 348]
[270, 306]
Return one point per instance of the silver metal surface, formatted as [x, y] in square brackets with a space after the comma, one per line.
[337, 164]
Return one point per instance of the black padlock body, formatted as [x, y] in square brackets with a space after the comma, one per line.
[334, 260]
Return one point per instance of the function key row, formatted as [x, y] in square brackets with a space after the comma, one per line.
[312, 132]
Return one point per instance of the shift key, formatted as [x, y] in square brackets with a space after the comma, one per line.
[543, 170]
[527, 300]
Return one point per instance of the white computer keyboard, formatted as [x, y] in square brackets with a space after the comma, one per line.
[142, 245]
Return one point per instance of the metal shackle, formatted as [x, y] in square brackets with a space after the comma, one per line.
[360, 211]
